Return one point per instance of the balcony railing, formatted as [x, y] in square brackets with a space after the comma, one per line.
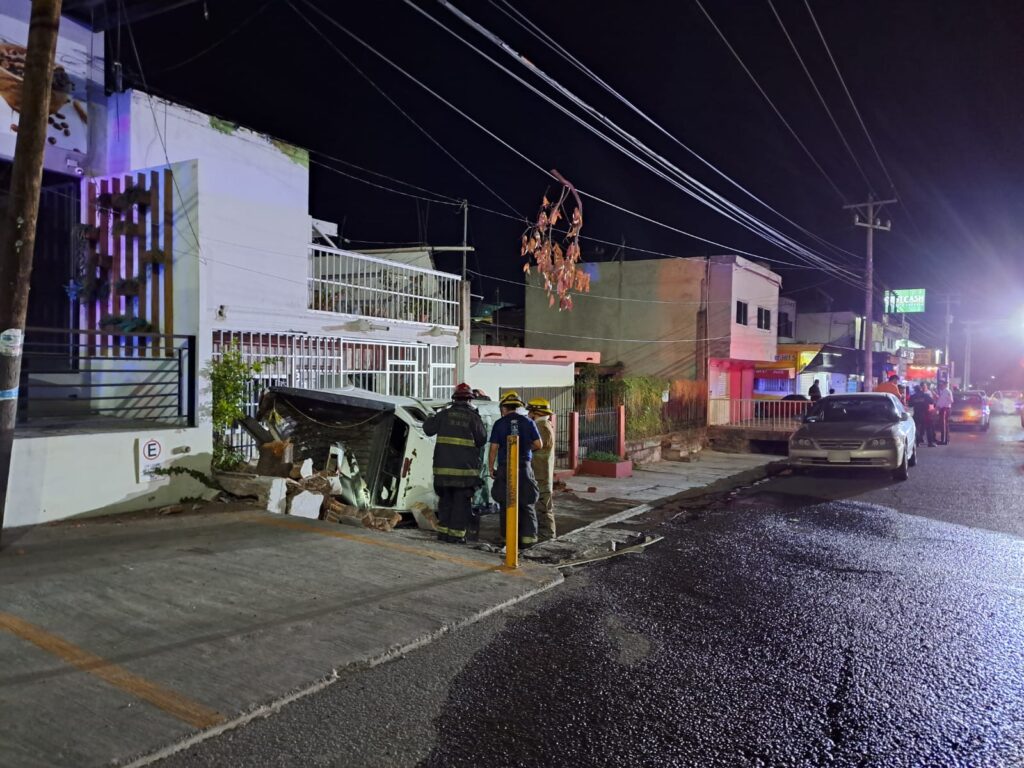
[771, 415]
[347, 283]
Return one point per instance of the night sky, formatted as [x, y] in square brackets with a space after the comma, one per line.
[938, 84]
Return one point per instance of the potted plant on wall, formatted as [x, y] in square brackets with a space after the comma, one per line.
[605, 464]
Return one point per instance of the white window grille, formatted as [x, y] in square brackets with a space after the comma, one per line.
[346, 283]
[329, 362]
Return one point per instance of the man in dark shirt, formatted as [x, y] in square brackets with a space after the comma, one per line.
[512, 423]
[460, 436]
[923, 404]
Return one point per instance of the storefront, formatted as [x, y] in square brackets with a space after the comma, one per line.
[785, 375]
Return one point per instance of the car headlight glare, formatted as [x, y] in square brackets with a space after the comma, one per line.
[801, 442]
[881, 442]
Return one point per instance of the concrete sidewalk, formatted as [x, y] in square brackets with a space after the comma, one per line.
[590, 501]
[120, 638]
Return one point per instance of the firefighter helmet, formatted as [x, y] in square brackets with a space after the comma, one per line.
[539, 405]
[511, 400]
[462, 392]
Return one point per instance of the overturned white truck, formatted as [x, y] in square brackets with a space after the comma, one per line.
[375, 442]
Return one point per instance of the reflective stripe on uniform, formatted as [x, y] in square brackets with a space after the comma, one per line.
[527, 539]
[457, 533]
[441, 529]
[452, 471]
[464, 441]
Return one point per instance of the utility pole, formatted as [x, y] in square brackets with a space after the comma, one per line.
[465, 237]
[17, 239]
[968, 338]
[871, 223]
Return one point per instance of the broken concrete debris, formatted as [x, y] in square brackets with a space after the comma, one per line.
[306, 504]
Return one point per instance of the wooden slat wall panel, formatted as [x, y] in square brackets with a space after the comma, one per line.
[125, 235]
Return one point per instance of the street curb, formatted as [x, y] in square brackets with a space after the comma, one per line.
[336, 674]
[719, 487]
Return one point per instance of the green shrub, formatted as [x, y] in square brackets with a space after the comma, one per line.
[642, 396]
[602, 456]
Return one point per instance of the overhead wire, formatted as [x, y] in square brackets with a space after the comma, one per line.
[849, 95]
[540, 34]
[697, 190]
[771, 103]
[507, 145]
[401, 111]
[734, 213]
[821, 97]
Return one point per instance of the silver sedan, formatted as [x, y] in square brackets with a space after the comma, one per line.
[870, 430]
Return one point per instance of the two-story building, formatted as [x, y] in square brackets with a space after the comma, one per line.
[677, 319]
[166, 235]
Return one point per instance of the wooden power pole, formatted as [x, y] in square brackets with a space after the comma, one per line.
[17, 238]
[870, 220]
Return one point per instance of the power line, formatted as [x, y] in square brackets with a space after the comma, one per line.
[462, 113]
[770, 102]
[849, 96]
[735, 213]
[537, 32]
[821, 98]
[395, 104]
[231, 33]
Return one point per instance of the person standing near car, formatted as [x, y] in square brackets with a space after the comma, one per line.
[514, 423]
[457, 458]
[814, 392]
[923, 404]
[892, 386]
[944, 402]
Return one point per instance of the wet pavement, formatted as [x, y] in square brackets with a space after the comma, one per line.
[831, 620]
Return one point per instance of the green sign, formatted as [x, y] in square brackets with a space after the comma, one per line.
[906, 300]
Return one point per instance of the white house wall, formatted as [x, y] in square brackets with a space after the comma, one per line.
[492, 377]
[734, 279]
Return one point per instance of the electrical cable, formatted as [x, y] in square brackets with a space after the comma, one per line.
[525, 158]
[849, 96]
[735, 213]
[231, 33]
[537, 32]
[821, 97]
[401, 111]
[770, 102]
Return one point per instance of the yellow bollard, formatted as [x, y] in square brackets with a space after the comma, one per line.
[512, 503]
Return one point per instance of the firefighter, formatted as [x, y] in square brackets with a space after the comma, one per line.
[457, 458]
[540, 411]
[512, 423]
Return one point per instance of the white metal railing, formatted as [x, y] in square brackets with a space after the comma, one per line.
[349, 283]
[775, 415]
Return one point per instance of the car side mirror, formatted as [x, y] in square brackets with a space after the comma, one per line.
[904, 416]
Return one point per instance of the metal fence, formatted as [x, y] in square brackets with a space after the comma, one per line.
[683, 410]
[349, 283]
[87, 379]
[772, 415]
[599, 431]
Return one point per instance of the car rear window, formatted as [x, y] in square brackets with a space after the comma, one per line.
[868, 409]
[970, 399]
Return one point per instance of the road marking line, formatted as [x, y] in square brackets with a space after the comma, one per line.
[175, 704]
[407, 549]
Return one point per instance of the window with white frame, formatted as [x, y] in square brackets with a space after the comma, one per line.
[764, 319]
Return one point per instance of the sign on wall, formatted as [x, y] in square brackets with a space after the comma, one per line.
[905, 301]
[68, 118]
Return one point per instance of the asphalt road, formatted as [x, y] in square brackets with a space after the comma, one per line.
[840, 621]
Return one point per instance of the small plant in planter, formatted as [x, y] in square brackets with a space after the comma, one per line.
[604, 464]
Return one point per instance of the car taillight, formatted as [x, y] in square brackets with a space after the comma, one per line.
[970, 413]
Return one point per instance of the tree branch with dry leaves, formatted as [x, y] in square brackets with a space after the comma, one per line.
[557, 262]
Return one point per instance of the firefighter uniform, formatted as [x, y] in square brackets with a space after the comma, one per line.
[544, 467]
[457, 460]
[524, 428]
